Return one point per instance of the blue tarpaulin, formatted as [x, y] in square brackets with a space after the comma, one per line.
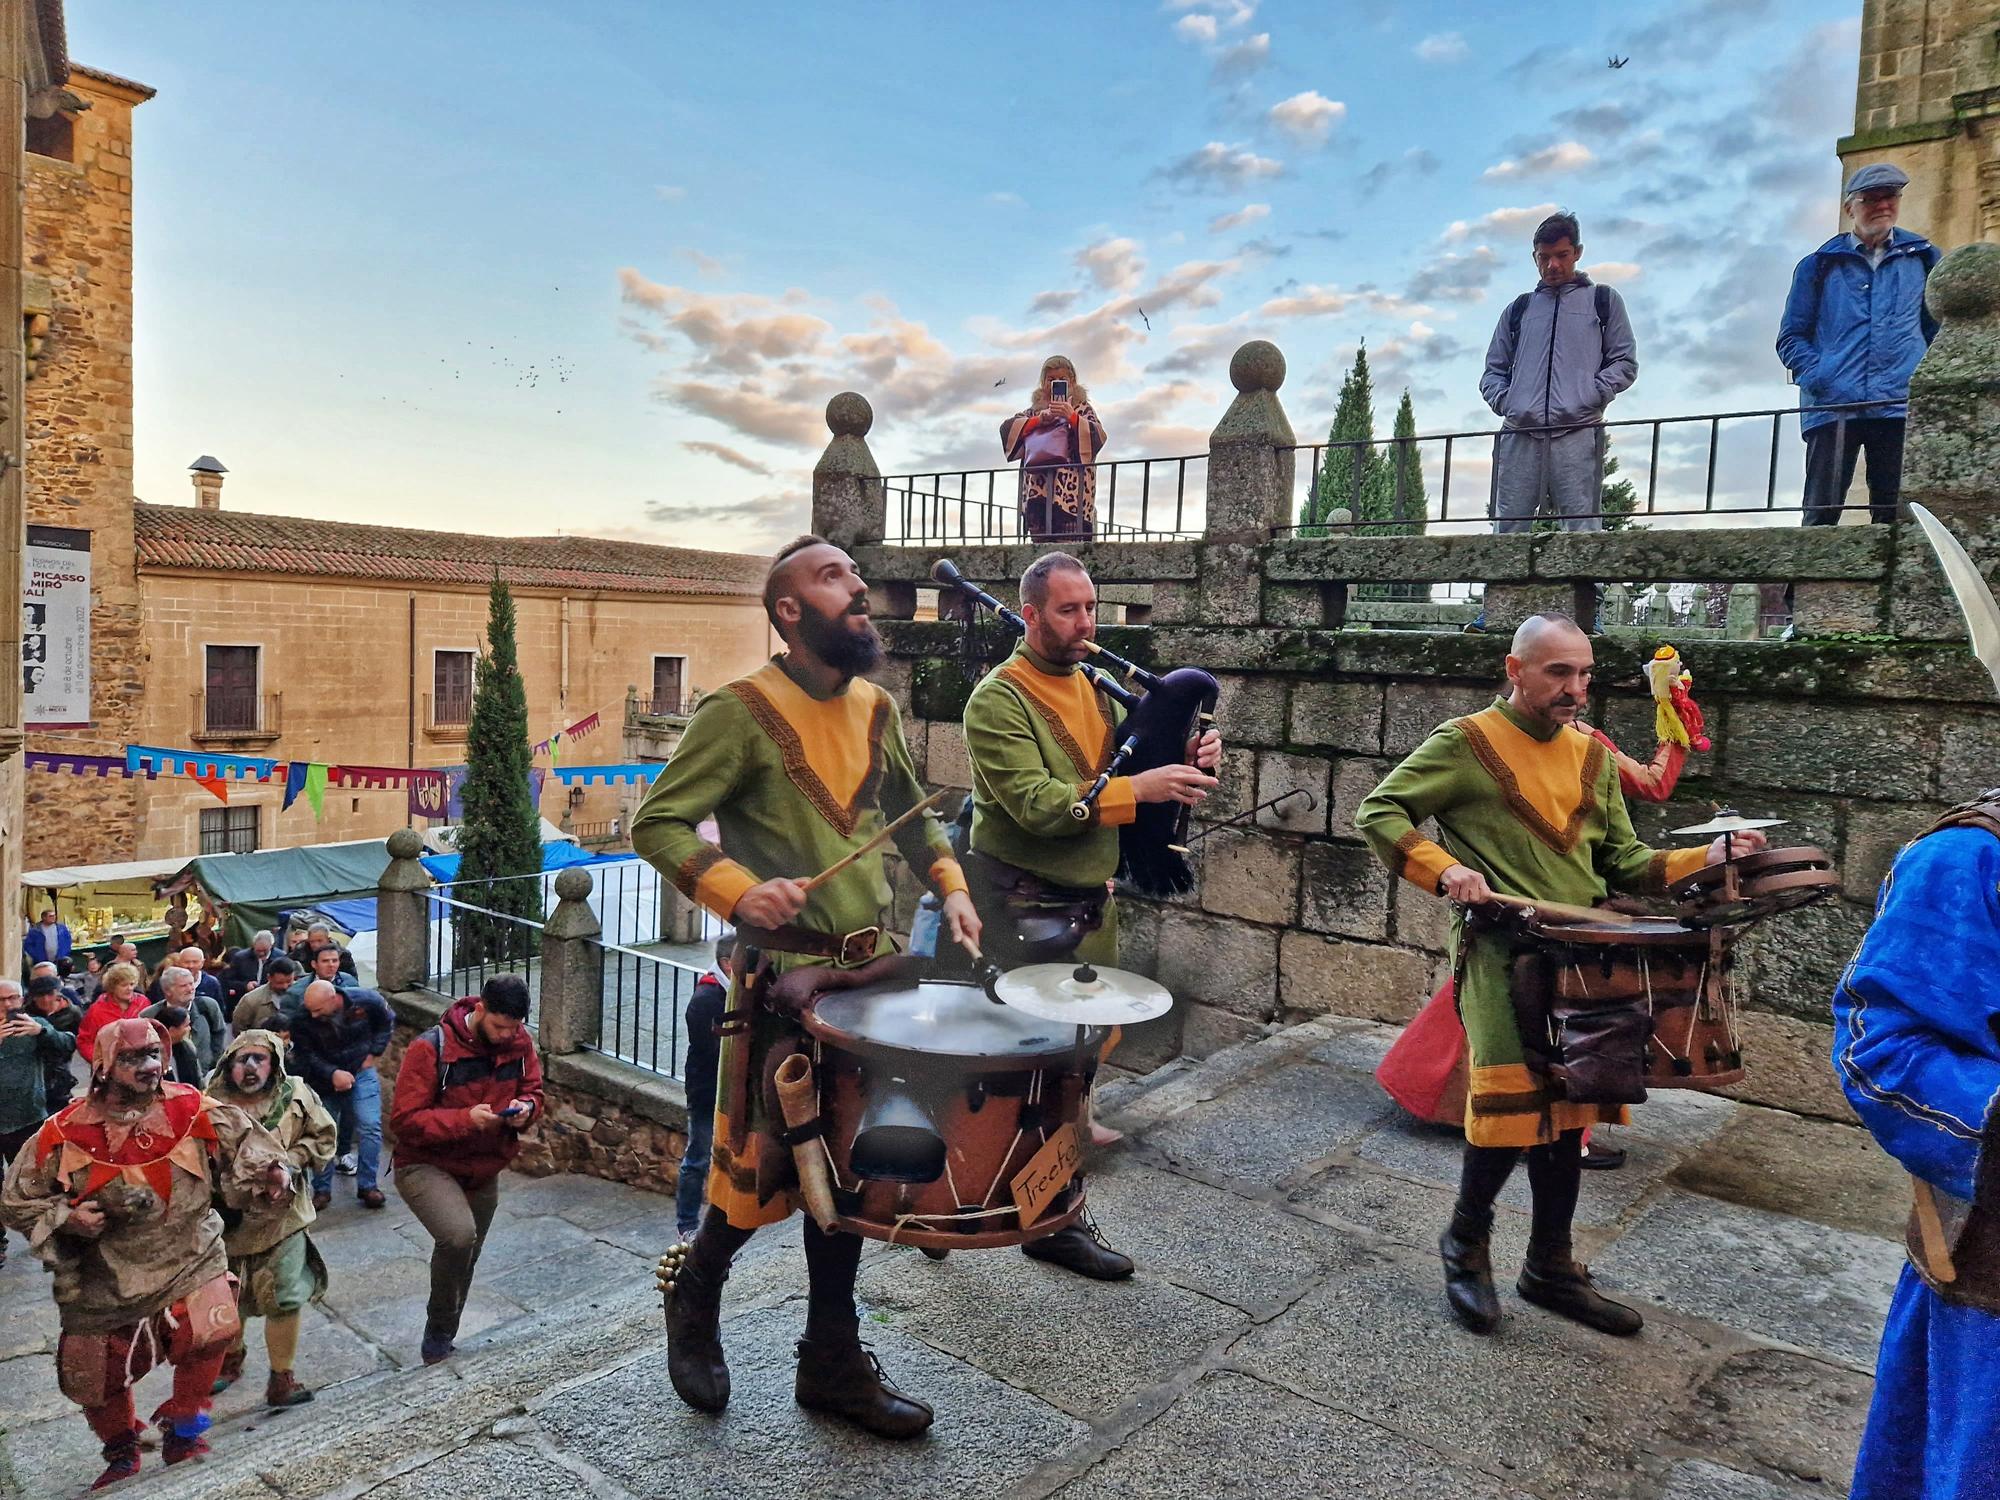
[557, 854]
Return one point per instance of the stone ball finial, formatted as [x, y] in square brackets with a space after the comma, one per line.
[405, 843]
[573, 884]
[1340, 515]
[1966, 283]
[849, 415]
[1258, 366]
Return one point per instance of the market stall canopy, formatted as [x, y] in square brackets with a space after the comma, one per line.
[128, 871]
[257, 887]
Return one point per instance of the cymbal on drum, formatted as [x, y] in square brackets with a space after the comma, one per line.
[1082, 994]
[1728, 820]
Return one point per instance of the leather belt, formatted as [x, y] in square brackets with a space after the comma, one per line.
[856, 947]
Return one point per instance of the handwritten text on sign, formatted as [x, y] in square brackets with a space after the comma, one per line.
[1036, 1185]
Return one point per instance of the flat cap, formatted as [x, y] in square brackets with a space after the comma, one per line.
[1877, 175]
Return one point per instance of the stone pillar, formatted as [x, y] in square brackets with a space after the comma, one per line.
[1744, 620]
[572, 968]
[403, 916]
[848, 505]
[1951, 452]
[1250, 460]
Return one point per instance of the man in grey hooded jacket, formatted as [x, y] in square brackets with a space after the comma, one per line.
[1558, 357]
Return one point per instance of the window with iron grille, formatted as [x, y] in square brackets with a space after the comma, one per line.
[229, 699]
[228, 830]
[451, 687]
[669, 684]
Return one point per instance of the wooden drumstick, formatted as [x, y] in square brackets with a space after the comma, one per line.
[875, 843]
[1567, 909]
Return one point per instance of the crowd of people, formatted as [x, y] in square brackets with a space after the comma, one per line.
[174, 1200]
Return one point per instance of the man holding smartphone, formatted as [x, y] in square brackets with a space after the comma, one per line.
[467, 1089]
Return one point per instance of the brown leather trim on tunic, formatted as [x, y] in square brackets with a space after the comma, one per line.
[792, 750]
[1404, 846]
[1562, 840]
[696, 865]
[1655, 879]
[1059, 731]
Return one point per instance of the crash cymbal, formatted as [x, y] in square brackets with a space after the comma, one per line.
[1082, 994]
[1728, 820]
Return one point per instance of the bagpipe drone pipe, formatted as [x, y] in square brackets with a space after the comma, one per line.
[1163, 713]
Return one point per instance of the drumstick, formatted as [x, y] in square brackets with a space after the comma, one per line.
[847, 859]
[1566, 909]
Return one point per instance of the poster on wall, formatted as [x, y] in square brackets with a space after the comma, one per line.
[55, 629]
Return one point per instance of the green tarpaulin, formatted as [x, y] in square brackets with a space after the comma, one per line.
[256, 887]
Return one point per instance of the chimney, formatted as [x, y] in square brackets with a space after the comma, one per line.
[207, 482]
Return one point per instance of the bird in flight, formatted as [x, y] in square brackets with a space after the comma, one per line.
[1000, 382]
[1142, 317]
[1617, 62]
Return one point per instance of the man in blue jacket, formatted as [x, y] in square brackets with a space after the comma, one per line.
[1854, 328]
[1559, 356]
[337, 1037]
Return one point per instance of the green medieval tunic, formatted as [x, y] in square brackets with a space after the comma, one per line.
[794, 783]
[1538, 811]
[1037, 736]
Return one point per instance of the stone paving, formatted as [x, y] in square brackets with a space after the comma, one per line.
[1285, 1335]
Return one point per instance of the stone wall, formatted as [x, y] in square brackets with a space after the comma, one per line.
[1858, 732]
[79, 268]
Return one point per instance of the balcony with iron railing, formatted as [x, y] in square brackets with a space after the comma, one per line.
[235, 716]
[447, 716]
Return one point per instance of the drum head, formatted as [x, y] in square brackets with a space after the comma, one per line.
[1640, 932]
[936, 1017]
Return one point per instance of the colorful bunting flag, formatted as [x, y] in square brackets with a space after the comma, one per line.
[315, 787]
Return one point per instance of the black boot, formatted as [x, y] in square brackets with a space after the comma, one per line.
[1468, 1272]
[691, 1277]
[844, 1379]
[1081, 1248]
[1552, 1279]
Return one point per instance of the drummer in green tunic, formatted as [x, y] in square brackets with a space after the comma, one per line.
[799, 763]
[1037, 734]
[1527, 805]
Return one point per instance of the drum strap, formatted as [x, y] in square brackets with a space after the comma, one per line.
[1983, 812]
[798, 1135]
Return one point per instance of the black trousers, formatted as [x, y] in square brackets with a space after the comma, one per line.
[1831, 452]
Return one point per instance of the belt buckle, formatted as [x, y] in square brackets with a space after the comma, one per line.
[858, 947]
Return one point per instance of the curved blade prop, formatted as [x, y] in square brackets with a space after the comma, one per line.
[1975, 599]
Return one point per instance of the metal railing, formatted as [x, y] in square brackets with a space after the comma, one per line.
[450, 710]
[228, 711]
[628, 896]
[468, 944]
[1690, 468]
[644, 1021]
[608, 831]
[1137, 499]
[670, 707]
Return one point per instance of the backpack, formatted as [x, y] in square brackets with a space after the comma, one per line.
[466, 1069]
[1600, 299]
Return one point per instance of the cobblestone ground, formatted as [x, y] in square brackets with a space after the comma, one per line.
[1285, 1334]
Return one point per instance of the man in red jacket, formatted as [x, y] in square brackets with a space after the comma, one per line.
[467, 1089]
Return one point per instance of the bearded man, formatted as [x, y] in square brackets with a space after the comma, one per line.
[799, 763]
[277, 1268]
[115, 1195]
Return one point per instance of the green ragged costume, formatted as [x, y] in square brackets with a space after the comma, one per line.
[794, 783]
[1037, 736]
[274, 1259]
[1539, 813]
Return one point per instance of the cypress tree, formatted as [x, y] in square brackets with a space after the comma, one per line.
[501, 832]
[1412, 507]
[1369, 493]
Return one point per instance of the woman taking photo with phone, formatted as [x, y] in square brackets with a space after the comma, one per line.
[1056, 440]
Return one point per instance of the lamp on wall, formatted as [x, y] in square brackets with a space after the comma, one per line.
[575, 797]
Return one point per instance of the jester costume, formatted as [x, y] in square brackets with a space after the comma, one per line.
[794, 783]
[1917, 1048]
[154, 1285]
[1037, 735]
[1539, 813]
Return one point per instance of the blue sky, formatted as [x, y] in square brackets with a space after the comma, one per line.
[518, 267]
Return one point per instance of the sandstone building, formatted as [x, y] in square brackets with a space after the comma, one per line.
[1929, 101]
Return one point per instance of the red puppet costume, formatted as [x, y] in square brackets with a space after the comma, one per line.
[1425, 1070]
[116, 1196]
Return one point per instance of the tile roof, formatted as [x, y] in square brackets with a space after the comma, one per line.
[234, 541]
[145, 89]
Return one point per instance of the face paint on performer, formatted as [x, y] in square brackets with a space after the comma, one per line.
[250, 1070]
[137, 1070]
[1550, 669]
[1065, 619]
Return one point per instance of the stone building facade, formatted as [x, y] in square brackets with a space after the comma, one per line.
[1928, 100]
[79, 278]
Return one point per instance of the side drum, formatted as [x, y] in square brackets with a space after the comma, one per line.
[933, 1098]
[1677, 974]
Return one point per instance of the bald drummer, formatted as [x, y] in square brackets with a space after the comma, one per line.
[1527, 804]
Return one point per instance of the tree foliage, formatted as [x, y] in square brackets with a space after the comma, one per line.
[1358, 476]
[501, 832]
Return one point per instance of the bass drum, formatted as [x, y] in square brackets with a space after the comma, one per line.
[932, 1098]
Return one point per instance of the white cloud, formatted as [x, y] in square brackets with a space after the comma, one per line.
[1565, 156]
[667, 193]
[708, 265]
[1115, 264]
[1452, 277]
[1007, 200]
[1227, 12]
[1217, 167]
[1325, 301]
[1308, 118]
[1249, 213]
[1196, 28]
[1501, 221]
[730, 456]
[1052, 302]
[1243, 58]
[1616, 272]
[1443, 47]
